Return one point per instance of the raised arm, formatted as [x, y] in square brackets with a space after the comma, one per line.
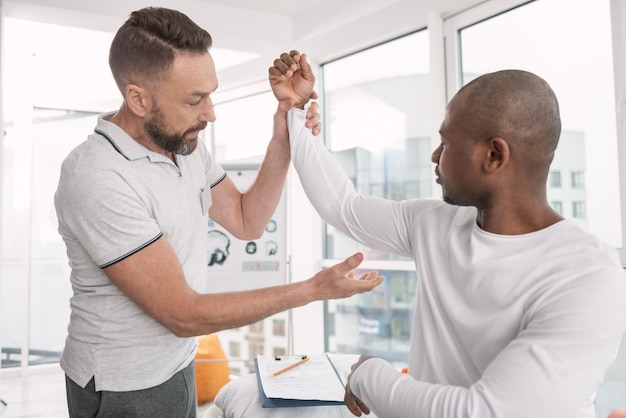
[375, 222]
[245, 215]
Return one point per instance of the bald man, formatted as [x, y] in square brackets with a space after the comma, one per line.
[519, 312]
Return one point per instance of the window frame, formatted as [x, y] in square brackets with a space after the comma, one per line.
[618, 24]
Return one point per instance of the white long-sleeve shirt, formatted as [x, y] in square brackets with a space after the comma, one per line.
[505, 326]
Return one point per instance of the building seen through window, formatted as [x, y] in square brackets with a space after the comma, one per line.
[390, 155]
[578, 179]
[576, 60]
[554, 179]
[557, 206]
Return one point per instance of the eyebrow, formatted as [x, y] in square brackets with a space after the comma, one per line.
[198, 93]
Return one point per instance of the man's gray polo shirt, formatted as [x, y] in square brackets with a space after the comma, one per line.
[114, 198]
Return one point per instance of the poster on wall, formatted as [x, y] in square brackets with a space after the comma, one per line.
[235, 264]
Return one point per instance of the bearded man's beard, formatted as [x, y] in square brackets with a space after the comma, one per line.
[155, 128]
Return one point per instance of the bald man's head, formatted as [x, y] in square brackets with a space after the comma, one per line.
[519, 107]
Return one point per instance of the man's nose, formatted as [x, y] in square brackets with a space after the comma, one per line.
[436, 154]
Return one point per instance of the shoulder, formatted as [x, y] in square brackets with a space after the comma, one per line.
[574, 239]
[431, 210]
[90, 163]
[585, 272]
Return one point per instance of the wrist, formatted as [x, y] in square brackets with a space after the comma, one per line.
[300, 105]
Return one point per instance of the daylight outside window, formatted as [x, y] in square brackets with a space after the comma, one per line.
[573, 54]
[378, 128]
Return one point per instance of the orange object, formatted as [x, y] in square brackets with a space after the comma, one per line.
[618, 413]
[405, 370]
[210, 376]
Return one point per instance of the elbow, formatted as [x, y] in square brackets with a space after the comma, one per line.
[187, 324]
[187, 330]
[182, 323]
[183, 332]
[250, 234]
[181, 329]
[255, 235]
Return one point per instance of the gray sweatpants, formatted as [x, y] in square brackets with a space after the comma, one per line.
[175, 398]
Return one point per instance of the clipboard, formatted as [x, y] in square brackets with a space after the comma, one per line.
[324, 379]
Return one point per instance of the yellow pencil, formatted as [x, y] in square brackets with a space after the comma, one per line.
[297, 363]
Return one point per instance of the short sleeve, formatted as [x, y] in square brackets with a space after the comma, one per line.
[104, 213]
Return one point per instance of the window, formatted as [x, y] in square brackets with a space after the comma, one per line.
[576, 60]
[278, 326]
[45, 116]
[239, 137]
[557, 206]
[255, 349]
[279, 351]
[579, 210]
[256, 328]
[555, 179]
[243, 128]
[578, 180]
[234, 347]
[389, 156]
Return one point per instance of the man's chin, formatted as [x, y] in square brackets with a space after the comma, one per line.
[190, 146]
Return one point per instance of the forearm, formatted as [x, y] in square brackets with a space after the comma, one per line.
[209, 313]
[260, 200]
[524, 380]
[154, 279]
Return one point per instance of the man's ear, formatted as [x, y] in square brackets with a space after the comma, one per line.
[497, 155]
[136, 99]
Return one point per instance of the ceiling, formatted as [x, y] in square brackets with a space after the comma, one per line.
[260, 29]
[290, 8]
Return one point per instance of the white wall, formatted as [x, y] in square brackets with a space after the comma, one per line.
[324, 33]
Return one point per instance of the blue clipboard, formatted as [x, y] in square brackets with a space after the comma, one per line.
[288, 403]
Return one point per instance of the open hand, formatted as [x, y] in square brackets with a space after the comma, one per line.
[338, 281]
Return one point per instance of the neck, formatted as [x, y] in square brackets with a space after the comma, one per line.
[517, 222]
[133, 126]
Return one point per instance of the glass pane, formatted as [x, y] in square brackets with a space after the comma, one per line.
[11, 313]
[242, 344]
[243, 128]
[576, 60]
[240, 134]
[47, 67]
[55, 134]
[389, 156]
[50, 311]
[58, 67]
[377, 323]
[13, 199]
